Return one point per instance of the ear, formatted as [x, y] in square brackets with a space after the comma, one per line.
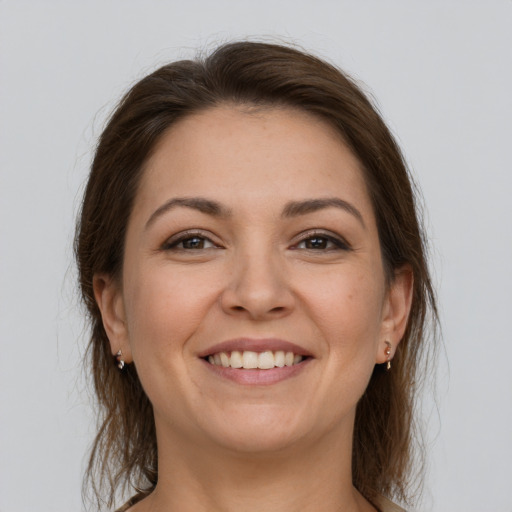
[397, 307]
[109, 298]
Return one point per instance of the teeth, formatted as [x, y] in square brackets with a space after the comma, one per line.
[235, 361]
[279, 358]
[255, 360]
[266, 360]
[250, 359]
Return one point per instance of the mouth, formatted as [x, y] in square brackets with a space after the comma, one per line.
[251, 360]
[256, 361]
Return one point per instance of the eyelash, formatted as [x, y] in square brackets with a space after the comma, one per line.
[173, 243]
[338, 242]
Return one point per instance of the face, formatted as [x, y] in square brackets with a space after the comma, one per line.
[253, 300]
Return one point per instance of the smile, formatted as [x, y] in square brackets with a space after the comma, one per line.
[256, 361]
[250, 360]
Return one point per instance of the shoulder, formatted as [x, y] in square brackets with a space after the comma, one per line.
[126, 506]
[131, 505]
[385, 505]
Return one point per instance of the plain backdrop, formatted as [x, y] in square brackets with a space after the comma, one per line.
[441, 73]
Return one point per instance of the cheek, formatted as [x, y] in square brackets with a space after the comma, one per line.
[349, 312]
[164, 309]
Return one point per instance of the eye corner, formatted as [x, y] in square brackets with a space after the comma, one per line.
[190, 241]
[321, 241]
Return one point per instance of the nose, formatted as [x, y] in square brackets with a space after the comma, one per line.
[258, 288]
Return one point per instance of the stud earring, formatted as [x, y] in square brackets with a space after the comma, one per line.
[388, 355]
[119, 359]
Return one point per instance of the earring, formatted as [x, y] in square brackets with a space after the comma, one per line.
[119, 359]
[388, 355]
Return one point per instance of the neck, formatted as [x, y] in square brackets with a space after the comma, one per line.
[305, 477]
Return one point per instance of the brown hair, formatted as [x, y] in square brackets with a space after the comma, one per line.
[124, 451]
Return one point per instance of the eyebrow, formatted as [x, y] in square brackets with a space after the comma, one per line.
[297, 208]
[291, 209]
[200, 204]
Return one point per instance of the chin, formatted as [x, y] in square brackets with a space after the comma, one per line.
[258, 442]
[259, 430]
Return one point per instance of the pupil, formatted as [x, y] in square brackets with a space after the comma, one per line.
[193, 243]
[316, 243]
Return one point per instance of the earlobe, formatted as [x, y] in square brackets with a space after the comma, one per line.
[396, 313]
[110, 302]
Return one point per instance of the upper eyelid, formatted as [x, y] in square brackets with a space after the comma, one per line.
[189, 233]
[340, 243]
[198, 232]
[320, 232]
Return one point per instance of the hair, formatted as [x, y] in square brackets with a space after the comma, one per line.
[385, 446]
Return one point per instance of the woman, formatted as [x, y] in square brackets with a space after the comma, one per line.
[255, 274]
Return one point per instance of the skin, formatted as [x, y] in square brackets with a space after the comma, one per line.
[315, 279]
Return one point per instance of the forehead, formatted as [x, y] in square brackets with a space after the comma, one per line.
[261, 155]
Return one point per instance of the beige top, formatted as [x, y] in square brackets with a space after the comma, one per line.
[382, 503]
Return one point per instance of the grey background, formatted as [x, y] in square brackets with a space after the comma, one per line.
[442, 75]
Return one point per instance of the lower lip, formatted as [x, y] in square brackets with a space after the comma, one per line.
[256, 377]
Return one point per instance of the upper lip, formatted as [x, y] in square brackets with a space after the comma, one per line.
[255, 345]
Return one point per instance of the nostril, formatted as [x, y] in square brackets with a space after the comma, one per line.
[257, 303]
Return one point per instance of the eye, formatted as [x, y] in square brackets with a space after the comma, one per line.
[316, 242]
[188, 242]
[321, 242]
